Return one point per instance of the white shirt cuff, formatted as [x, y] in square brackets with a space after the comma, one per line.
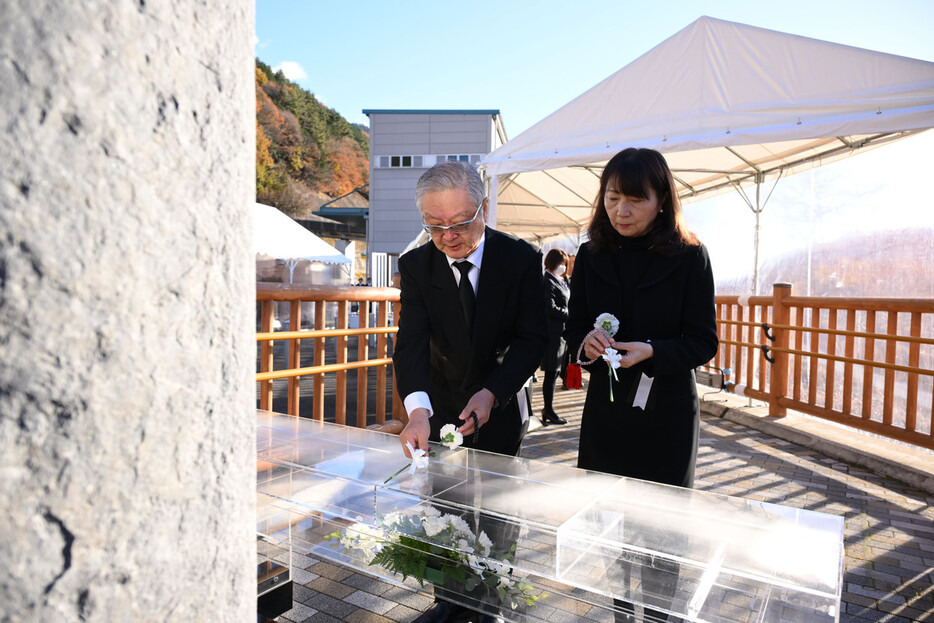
[417, 400]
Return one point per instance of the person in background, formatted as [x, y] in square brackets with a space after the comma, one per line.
[643, 266]
[567, 353]
[557, 292]
[472, 334]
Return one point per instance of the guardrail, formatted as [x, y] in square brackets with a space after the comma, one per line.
[862, 362]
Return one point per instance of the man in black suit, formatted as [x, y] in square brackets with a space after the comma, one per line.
[466, 348]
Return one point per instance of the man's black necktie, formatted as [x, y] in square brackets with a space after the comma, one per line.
[465, 291]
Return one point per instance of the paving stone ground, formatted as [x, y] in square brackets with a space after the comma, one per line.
[889, 525]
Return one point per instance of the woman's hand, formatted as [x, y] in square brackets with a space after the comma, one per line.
[633, 352]
[596, 344]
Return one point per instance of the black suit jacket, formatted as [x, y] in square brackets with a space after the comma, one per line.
[435, 354]
[557, 293]
[671, 304]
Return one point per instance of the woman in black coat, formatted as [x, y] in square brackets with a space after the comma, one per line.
[556, 262]
[645, 268]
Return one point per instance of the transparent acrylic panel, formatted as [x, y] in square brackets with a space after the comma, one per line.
[498, 533]
[518, 503]
[273, 545]
[322, 467]
[704, 556]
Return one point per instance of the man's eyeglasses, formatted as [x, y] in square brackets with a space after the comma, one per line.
[457, 228]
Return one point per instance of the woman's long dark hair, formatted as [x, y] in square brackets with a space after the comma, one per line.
[635, 171]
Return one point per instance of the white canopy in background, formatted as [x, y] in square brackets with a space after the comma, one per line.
[276, 235]
[729, 105]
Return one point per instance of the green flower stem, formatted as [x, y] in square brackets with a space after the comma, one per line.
[431, 453]
[403, 468]
[611, 380]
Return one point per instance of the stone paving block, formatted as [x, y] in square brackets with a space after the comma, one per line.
[334, 607]
[856, 601]
[403, 614]
[411, 599]
[867, 591]
[321, 617]
[327, 586]
[302, 561]
[368, 583]
[301, 593]
[301, 576]
[921, 526]
[331, 571]
[365, 616]
[298, 613]
[369, 601]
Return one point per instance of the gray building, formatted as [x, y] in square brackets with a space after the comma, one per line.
[403, 144]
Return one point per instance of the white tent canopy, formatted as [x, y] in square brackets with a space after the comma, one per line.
[729, 105]
[276, 235]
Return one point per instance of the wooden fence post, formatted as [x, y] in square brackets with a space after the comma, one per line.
[778, 378]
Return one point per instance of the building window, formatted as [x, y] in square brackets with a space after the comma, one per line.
[399, 162]
[471, 158]
[423, 161]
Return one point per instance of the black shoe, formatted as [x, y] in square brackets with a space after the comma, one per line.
[443, 612]
[550, 417]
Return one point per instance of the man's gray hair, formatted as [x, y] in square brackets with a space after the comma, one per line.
[449, 176]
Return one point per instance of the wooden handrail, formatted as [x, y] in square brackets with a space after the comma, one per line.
[296, 295]
[331, 367]
[311, 294]
[862, 362]
[925, 306]
[313, 333]
[870, 336]
[816, 366]
[878, 381]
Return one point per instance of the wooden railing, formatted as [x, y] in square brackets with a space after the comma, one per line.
[864, 363]
[339, 299]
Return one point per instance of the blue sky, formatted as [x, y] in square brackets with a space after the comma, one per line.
[527, 58]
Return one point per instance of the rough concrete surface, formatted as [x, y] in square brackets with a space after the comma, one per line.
[126, 302]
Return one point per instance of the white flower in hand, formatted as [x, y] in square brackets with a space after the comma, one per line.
[450, 436]
[419, 458]
[612, 358]
[608, 323]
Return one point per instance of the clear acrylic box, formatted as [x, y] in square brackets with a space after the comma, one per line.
[552, 534]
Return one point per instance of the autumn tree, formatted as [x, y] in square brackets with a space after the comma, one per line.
[303, 148]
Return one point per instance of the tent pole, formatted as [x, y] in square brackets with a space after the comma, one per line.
[755, 256]
[492, 204]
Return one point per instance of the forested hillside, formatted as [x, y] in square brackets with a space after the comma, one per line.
[306, 152]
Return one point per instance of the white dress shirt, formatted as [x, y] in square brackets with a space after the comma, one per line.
[420, 399]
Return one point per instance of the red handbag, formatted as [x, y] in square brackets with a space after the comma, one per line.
[572, 376]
